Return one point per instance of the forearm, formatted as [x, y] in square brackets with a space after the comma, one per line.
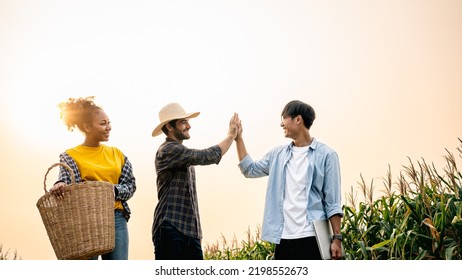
[335, 221]
[241, 150]
[225, 144]
[126, 186]
[124, 191]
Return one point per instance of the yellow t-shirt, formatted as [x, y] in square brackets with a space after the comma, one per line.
[100, 163]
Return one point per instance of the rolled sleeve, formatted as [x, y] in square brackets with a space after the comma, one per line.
[332, 183]
[255, 169]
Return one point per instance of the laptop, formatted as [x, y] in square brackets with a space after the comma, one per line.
[324, 233]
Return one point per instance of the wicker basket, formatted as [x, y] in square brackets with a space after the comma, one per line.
[81, 225]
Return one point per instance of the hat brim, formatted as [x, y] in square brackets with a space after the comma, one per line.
[158, 130]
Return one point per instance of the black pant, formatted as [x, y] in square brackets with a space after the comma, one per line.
[297, 249]
[171, 244]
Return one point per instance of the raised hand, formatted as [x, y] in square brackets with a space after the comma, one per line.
[234, 126]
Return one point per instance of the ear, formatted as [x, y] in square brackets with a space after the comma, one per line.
[299, 119]
[86, 127]
[169, 127]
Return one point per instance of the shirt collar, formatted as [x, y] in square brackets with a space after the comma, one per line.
[313, 144]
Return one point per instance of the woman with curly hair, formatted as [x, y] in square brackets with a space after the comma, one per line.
[94, 161]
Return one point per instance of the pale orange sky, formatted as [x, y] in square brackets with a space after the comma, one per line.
[385, 78]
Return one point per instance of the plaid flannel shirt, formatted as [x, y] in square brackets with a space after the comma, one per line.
[176, 186]
[124, 190]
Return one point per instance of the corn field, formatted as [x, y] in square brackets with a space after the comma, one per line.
[418, 217]
[253, 248]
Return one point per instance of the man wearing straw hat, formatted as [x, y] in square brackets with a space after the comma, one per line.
[176, 230]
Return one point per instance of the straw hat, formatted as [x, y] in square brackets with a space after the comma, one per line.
[169, 112]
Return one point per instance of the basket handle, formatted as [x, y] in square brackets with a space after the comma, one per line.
[54, 165]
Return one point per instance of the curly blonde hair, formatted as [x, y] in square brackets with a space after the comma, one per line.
[77, 111]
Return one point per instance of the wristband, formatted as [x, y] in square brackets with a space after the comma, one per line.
[337, 236]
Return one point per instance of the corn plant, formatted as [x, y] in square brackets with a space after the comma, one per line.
[253, 248]
[421, 221]
[8, 255]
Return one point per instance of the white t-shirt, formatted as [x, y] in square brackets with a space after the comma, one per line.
[295, 196]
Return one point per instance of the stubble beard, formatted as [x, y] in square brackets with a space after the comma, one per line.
[180, 135]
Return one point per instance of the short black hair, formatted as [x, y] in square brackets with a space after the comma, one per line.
[297, 107]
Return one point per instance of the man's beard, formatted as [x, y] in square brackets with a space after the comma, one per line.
[180, 135]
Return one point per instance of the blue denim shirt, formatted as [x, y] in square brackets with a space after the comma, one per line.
[323, 190]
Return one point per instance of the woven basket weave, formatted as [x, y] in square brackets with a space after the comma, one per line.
[81, 225]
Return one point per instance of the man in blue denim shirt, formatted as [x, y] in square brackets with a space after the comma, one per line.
[303, 186]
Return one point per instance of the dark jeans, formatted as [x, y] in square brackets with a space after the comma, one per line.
[297, 249]
[170, 244]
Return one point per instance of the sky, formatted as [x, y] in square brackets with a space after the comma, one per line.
[384, 77]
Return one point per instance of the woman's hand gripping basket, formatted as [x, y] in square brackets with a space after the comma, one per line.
[81, 225]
